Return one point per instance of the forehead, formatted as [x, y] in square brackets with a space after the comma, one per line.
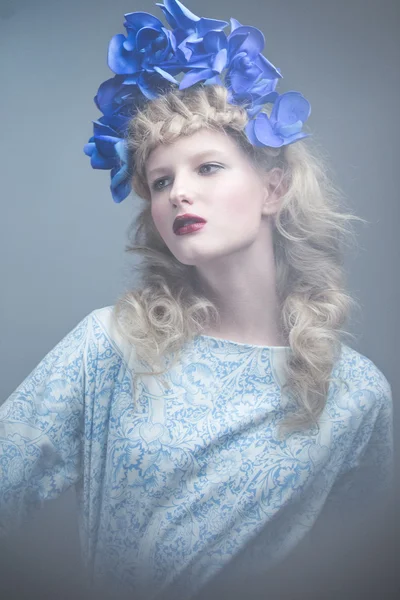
[200, 144]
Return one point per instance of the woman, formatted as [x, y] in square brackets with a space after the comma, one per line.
[215, 407]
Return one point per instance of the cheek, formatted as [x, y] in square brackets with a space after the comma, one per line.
[241, 199]
[242, 209]
[161, 223]
[157, 216]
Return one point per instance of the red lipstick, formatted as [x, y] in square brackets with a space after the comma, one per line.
[189, 228]
[185, 221]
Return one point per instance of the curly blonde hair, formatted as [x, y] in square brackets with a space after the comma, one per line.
[169, 308]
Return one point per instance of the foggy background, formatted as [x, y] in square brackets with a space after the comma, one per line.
[62, 237]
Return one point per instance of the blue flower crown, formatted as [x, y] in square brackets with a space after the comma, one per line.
[147, 61]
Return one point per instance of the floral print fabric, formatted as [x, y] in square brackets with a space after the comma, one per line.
[176, 474]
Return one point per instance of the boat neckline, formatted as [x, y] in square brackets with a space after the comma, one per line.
[212, 337]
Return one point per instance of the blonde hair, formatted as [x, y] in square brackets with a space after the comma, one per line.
[311, 231]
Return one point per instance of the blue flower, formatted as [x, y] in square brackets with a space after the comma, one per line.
[290, 111]
[143, 53]
[208, 59]
[118, 101]
[114, 98]
[107, 151]
[120, 178]
[246, 63]
[187, 27]
[146, 61]
[254, 99]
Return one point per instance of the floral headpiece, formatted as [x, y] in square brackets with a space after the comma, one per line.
[147, 61]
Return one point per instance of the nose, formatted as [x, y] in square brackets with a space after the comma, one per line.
[181, 191]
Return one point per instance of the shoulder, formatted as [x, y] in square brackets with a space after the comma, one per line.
[108, 335]
[101, 317]
[359, 385]
[361, 371]
[91, 331]
[362, 410]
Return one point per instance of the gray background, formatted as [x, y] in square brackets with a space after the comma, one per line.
[62, 237]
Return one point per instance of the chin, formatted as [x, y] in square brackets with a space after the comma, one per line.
[197, 256]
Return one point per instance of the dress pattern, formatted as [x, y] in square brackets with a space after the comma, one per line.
[175, 475]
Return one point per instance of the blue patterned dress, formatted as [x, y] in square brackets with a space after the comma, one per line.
[176, 474]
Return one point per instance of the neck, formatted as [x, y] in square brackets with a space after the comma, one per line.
[247, 303]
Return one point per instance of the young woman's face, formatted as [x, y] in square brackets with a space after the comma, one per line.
[208, 175]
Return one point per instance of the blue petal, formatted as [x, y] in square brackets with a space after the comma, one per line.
[234, 24]
[115, 122]
[145, 36]
[199, 62]
[244, 99]
[89, 148]
[98, 161]
[170, 19]
[137, 20]
[165, 75]
[103, 128]
[205, 25]
[264, 87]
[235, 42]
[104, 98]
[118, 63]
[132, 79]
[252, 111]
[183, 52]
[120, 184]
[295, 138]
[268, 69]
[268, 98]
[216, 80]
[265, 133]
[171, 38]
[194, 77]
[150, 84]
[257, 104]
[106, 145]
[101, 162]
[249, 130]
[181, 15]
[195, 43]
[254, 42]
[130, 42]
[185, 19]
[214, 41]
[220, 60]
[242, 81]
[292, 107]
[289, 130]
[121, 150]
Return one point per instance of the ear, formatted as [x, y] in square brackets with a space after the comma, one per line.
[275, 189]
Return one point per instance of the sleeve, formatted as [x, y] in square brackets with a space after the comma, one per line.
[41, 427]
[364, 489]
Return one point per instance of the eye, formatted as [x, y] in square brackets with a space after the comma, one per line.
[211, 165]
[156, 186]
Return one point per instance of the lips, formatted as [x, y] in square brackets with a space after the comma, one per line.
[191, 228]
[186, 219]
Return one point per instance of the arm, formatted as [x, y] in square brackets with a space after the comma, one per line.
[363, 491]
[40, 431]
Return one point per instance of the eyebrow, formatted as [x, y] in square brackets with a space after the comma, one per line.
[194, 157]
